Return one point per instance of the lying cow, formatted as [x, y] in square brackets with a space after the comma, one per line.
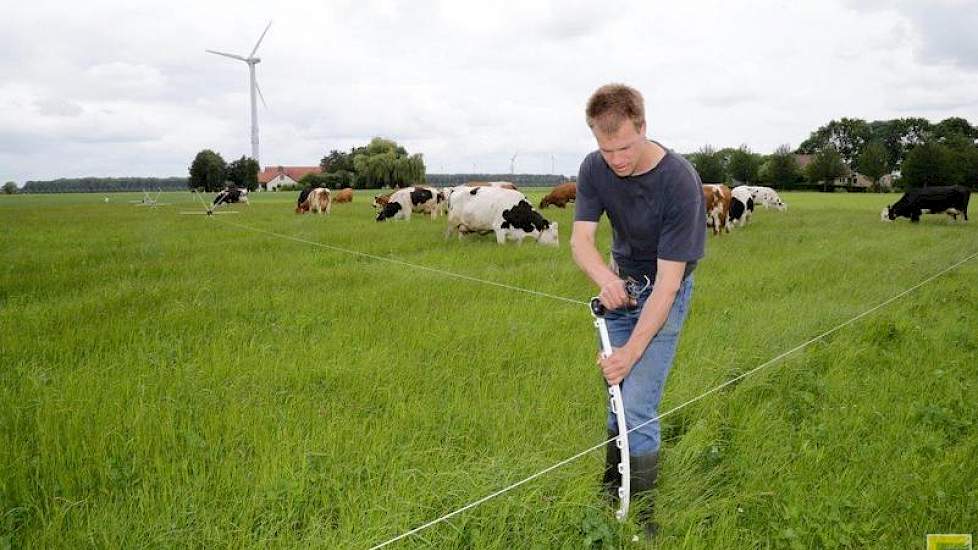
[231, 195]
[504, 212]
[741, 206]
[344, 195]
[560, 195]
[765, 196]
[402, 202]
[950, 199]
[717, 198]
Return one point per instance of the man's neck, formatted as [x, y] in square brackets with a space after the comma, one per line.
[652, 155]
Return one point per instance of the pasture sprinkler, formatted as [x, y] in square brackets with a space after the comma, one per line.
[598, 310]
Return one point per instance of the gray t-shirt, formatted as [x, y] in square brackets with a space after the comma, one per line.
[658, 214]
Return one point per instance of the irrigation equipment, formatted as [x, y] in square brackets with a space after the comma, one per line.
[598, 311]
[209, 210]
[147, 200]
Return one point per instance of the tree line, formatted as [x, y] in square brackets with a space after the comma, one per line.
[380, 163]
[922, 153]
[103, 185]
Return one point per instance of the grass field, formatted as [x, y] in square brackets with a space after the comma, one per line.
[186, 381]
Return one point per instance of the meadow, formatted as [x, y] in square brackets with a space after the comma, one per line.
[184, 381]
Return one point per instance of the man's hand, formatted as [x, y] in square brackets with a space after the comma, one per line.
[613, 294]
[616, 366]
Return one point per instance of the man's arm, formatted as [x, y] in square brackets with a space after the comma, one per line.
[587, 257]
[668, 278]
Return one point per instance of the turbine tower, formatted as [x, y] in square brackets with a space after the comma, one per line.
[251, 60]
[512, 163]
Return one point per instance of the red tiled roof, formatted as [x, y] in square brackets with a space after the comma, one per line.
[294, 172]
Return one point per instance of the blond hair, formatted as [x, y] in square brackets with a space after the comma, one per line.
[612, 104]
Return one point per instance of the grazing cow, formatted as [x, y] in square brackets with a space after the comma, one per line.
[231, 195]
[319, 200]
[717, 198]
[741, 206]
[412, 199]
[950, 199]
[344, 195]
[504, 212]
[302, 204]
[765, 196]
[560, 195]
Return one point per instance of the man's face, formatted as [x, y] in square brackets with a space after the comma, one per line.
[622, 149]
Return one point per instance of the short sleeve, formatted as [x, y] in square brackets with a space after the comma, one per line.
[587, 205]
[684, 224]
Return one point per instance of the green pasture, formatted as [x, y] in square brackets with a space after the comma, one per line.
[185, 381]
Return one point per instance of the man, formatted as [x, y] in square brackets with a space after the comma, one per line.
[654, 201]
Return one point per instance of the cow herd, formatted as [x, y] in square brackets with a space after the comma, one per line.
[726, 208]
[501, 209]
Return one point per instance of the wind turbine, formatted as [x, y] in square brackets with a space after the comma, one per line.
[251, 60]
[512, 163]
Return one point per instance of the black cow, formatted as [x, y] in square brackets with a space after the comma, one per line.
[951, 199]
[231, 195]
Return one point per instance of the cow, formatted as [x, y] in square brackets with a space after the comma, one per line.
[741, 206]
[302, 204]
[402, 202]
[380, 201]
[344, 195]
[765, 196]
[950, 199]
[560, 195]
[504, 212]
[717, 198]
[231, 195]
[319, 200]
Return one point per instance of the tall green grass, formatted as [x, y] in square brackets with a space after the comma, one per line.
[180, 381]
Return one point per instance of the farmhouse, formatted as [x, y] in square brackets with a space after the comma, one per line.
[852, 180]
[273, 177]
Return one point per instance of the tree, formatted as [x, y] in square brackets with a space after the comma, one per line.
[926, 165]
[782, 167]
[952, 127]
[847, 136]
[872, 162]
[744, 165]
[337, 161]
[208, 171]
[384, 163]
[244, 173]
[900, 135]
[709, 165]
[9, 188]
[826, 166]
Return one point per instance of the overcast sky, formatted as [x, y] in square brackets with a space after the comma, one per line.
[126, 89]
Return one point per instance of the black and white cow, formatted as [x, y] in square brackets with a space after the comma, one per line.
[411, 199]
[504, 212]
[741, 206]
[950, 199]
[231, 195]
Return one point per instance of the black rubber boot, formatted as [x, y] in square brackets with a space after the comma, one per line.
[644, 470]
[612, 479]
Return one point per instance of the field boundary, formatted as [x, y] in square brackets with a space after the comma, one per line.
[677, 408]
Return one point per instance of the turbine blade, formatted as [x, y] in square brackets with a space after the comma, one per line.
[260, 38]
[262, 97]
[231, 55]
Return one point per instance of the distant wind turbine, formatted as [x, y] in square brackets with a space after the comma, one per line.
[251, 60]
[512, 163]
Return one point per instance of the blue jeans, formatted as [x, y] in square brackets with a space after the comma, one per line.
[641, 390]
